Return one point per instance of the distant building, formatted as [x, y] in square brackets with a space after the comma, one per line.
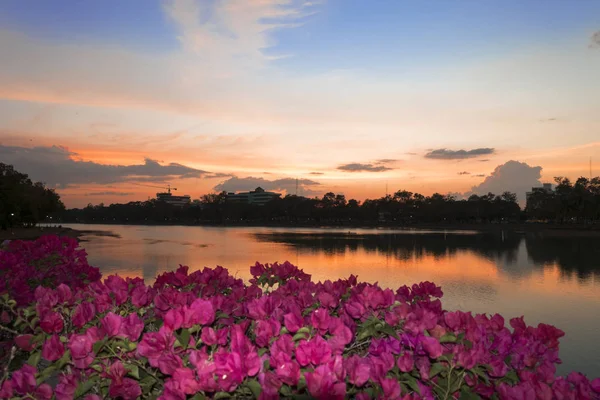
[169, 198]
[546, 187]
[258, 196]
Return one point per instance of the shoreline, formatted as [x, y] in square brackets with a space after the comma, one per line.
[36, 232]
[518, 228]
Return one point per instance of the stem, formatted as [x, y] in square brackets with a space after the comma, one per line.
[9, 330]
[10, 358]
[449, 383]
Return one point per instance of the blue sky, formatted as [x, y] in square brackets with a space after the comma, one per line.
[261, 90]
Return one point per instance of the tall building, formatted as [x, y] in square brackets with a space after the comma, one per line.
[258, 196]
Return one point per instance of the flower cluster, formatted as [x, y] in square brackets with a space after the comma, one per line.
[48, 261]
[206, 334]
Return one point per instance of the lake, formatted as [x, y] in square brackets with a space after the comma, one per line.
[547, 277]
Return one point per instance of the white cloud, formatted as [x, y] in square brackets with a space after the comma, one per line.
[512, 176]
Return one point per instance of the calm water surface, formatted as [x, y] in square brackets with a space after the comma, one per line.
[546, 278]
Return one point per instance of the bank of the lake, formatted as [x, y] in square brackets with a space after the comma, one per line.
[33, 233]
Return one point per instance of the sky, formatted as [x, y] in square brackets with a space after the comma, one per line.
[103, 100]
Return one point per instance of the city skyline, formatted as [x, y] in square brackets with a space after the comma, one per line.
[97, 99]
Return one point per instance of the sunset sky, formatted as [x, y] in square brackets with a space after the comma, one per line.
[98, 98]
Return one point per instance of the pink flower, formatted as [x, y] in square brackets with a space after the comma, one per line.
[43, 392]
[229, 371]
[126, 389]
[52, 322]
[172, 391]
[432, 346]
[359, 370]
[65, 389]
[316, 351]
[168, 363]
[208, 336]
[322, 384]
[355, 309]
[23, 380]
[391, 389]
[153, 344]
[203, 312]
[6, 390]
[131, 327]
[265, 330]
[25, 342]
[406, 362]
[186, 379]
[270, 385]
[118, 287]
[111, 324]
[83, 314]
[288, 372]
[320, 319]
[81, 350]
[292, 322]
[596, 385]
[174, 319]
[53, 349]
[141, 296]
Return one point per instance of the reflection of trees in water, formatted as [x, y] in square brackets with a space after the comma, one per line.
[401, 246]
[572, 254]
[578, 255]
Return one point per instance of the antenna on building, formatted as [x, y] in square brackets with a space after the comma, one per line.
[386, 189]
[296, 186]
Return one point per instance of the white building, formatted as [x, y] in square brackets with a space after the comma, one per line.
[547, 187]
[167, 197]
[258, 197]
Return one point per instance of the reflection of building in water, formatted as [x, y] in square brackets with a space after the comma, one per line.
[546, 187]
[258, 196]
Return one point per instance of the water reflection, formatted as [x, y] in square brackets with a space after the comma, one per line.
[573, 255]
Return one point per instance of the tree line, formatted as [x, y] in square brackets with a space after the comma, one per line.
[22, 201]
[401, 208]
[568, 203]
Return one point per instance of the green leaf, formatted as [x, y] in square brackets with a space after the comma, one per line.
[467, 394]
[480, 373]
[134, 371]
[46, 373]
[302, 382]
[389, 330]
[262, 351]
[98, 345]
[184, 338]
[285, 390]
[254, 387]
[436, 369]
[198, 396]
[411, 382]
[221, 395]
[448, 338]
[84, 387]
[300, 336]
[34, 358]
